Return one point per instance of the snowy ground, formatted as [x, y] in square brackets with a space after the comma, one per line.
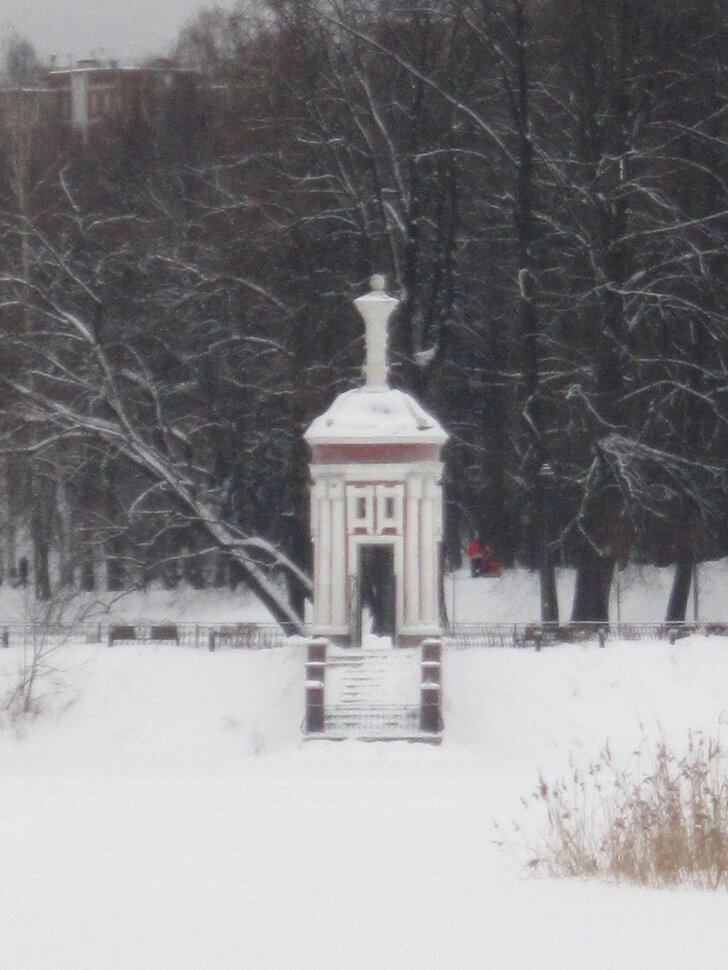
[165, 814]
[639, 594]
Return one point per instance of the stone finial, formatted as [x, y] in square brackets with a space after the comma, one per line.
[376, 308]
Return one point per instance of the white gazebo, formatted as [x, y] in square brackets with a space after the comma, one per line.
[376, 503]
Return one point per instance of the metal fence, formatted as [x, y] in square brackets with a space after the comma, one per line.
[537, 635]
[209, 636]
[266, 636]
[345, 720]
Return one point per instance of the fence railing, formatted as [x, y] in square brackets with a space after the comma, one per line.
[266, 636]
[209, 636]
[465, 635]
[345, 720]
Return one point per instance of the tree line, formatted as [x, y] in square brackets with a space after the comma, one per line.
[542, 181]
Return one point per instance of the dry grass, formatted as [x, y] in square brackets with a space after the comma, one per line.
[662, 822]
[40, 676]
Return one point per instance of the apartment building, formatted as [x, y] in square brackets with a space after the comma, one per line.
[91, 96]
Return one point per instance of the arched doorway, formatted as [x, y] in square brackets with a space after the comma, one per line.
[377, 593]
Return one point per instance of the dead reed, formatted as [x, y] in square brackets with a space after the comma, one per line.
[662, 821]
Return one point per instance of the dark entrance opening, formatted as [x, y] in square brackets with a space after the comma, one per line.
[377, 590]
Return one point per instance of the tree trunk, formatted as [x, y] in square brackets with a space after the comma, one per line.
[299, 542]
[88, 578]
[193, 569]
[11, 550]
[678, 603]
[221, 571]
[41, 553]
[40, 533]
[593, 583]
[11, 532]
[115, 572]
[549, 595]
[441, 598]
[65, 535]
[452, 552]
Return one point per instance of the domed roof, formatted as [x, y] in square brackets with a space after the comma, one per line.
[370, 415]
[375, 413]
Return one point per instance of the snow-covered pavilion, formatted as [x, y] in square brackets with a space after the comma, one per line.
[376, 503]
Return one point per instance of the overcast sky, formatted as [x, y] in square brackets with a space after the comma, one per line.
[122, 29]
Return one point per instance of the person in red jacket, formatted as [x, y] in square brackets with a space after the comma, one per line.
[476, 551]
[482, 560]
[492, 566]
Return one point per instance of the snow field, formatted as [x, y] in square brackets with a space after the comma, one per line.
[639, 594]
[170, 817]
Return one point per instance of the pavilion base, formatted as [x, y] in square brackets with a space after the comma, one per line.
[373, 694]
[403, 639]
[409, 738]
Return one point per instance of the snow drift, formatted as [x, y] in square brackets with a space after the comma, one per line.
[165, 813]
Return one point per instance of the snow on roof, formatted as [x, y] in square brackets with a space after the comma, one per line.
[119, 69]
[381, 414]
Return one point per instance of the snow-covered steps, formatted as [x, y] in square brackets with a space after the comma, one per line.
[372, 677]
[371, 694]
[375, 723]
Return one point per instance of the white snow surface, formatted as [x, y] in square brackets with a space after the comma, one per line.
[639, 594]
[164, 813]
[375, 414]
[136, 606]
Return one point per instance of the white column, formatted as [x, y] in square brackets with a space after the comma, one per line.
[437, 504]
[323, 578]
[79, 101]
[338, 552]
[428, 555]
[412, 553]
[376, 308]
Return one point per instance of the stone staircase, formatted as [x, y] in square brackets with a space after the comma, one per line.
[373, 694]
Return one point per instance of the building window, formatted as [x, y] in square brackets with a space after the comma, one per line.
[389, 508]
[360, 504]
